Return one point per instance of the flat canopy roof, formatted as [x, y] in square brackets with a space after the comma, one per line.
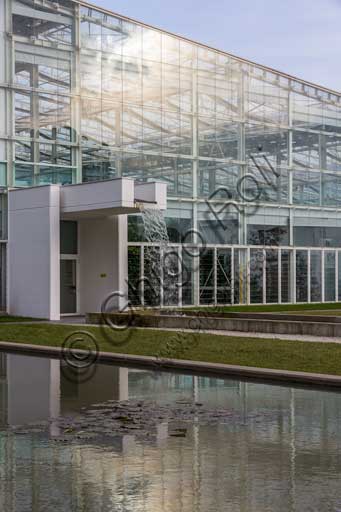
[119, 196]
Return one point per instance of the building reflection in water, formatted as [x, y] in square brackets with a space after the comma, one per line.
[281, 454]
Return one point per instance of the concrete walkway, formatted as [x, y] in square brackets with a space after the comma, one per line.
[294, 337]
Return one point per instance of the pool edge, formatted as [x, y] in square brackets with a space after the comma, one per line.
[220, 369]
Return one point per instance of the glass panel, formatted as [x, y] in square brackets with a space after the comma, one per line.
[329, 276]
[331, 189]
[68, 237]
[332, 152]
[151, 85]
[152, 275]
[267, 235]
[307, 111]
[240, 276]
[256, 276]
[316, 236]
[24, 174]
[43, 29]
[315, 276]
[68, 286]
[50, 174]
[285, 276]
[224, 278]
[266, 101]
[3, 174]
[54, 154]
[266, 146]
[132, 128]
[54, 117]
[178, 225]
[187, 278]
[134, 283]
[206, 277]
[23, 114]
[99, 163]
[306, 187]
[132, 39]
[135, 229]
[178, 222]
[151, 44]
[271, 276]
[301, 276]
[110, 77]
[219, 227]
[305, 149]
[171, 84]
[24, 151]
[218, 138]
[218, 179]
[266, 183]
[171, 269]
[44, 69]
[151, 130]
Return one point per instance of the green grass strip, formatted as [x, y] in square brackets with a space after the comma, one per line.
[10, 318]
[271, 308]
[262, 353]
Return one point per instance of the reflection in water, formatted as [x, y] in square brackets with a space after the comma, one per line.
[280, 452]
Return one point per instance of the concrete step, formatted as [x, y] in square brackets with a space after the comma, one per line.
[204, 323]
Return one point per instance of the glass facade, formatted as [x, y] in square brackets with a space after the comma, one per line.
[251, 157]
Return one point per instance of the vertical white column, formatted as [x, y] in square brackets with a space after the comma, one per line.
[123, 383]
[293, 275]
[336, 276]
[248, 276]
[141, 286]
[309, 276]
[75, 100]
[54, 395]
[121, 257]
[162, 255]
[232, 275]
[322, 277]
[6, 93]
[34, 252]
[292, 254]
[196, 259]
[264, 276]
[179, 252]
[196, 275]
[3, 80]
[215, 276]
[279, 276]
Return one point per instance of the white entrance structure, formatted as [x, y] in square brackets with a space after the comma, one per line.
[100, 209]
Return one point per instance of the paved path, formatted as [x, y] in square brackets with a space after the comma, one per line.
[242, 334]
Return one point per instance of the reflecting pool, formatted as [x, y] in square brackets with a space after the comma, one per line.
[151, 441]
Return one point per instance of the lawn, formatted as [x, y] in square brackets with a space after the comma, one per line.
[263, 353]
[10, 318]
[273, 308]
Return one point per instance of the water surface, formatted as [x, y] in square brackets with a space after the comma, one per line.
[132, 440]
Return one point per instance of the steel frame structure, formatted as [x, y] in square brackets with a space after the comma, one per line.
[89, 94]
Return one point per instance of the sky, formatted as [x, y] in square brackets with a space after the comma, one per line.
[299, 37]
